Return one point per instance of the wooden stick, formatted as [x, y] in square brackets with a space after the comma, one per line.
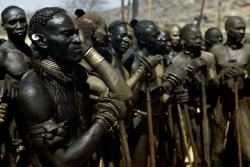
[205, 125]
[124, 142]
[150, 130]
[150, 9]
[122, 10]
[184, 134]
[237, 123]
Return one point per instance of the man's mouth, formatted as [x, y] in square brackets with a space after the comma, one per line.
[20, 32]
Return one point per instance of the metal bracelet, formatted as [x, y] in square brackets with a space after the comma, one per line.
[93, 57]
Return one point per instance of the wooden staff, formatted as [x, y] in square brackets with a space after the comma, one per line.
[205, 125]
[237, 122]
[122, 10]
[184, 134]
[124, 142]
[219, 14]
[150, 9]
[150, 130]
[201, 14]
[191, 136]
[128, 11]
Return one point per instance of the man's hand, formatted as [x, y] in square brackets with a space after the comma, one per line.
[197, 64]
[150, 62]
[181, 95]
[233, 72]
[109, 112]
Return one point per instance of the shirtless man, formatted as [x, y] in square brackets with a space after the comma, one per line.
[55, 126]
[198, 63]
[232, 60]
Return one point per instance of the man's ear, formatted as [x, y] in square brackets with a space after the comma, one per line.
[3, 27]
[109, 36]
[142, 39]
[39, 40]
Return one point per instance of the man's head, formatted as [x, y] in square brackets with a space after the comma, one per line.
[191, 36]
[174, 32]
[52, 30]
[119, 36]
[213, 36]
[164, 43]
[235, 28]
[94, 28]
[14, 23]
[147, 35]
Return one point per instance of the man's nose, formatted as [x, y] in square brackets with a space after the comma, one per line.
[76, 39]
[18, 25]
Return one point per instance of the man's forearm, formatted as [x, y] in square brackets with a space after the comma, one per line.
[81, 150]
[112, 79]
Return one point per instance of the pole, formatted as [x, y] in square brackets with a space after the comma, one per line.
[150, 130]
[183, 133]
[128, 11]
[150, 9]
[219, 14]
[205, 126]
[122, 10]
[124, 142]
[201, 13]
[191, 136]
[237, 123]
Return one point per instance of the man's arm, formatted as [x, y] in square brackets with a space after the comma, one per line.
[36, 109]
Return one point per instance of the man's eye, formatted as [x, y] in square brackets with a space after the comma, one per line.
[12, 22]
[23, 20]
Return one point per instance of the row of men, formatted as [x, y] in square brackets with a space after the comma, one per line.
[79, 97]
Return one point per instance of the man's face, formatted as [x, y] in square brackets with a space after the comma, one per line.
[175, 35]
[236, 30]
[214, 37]
[101, 35]
[151, 36]
[62, 39]
[16, 24]
[164, 44]
[119, 38]
[193, 38]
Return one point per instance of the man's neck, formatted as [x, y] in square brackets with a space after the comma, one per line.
[17, 42]
[192, 52]
[234, 44]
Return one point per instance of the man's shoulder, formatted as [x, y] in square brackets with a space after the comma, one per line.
[247, 46]
[217, 47]
[207, 55]
[30, 84]
[7, 45]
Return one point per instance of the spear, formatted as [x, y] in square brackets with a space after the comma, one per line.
[237, 122]
[184, 134]
[219, 14]
[122, 10]
[201, 13]
[150, 130]
[150, 9]
[205, 126]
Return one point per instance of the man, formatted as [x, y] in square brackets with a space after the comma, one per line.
[94, 31]
[213, 36]
[149, 44]
[232, 60]
[94, 28]
[54, 122]
[166, 48]
[14, 53]
[198, 63]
